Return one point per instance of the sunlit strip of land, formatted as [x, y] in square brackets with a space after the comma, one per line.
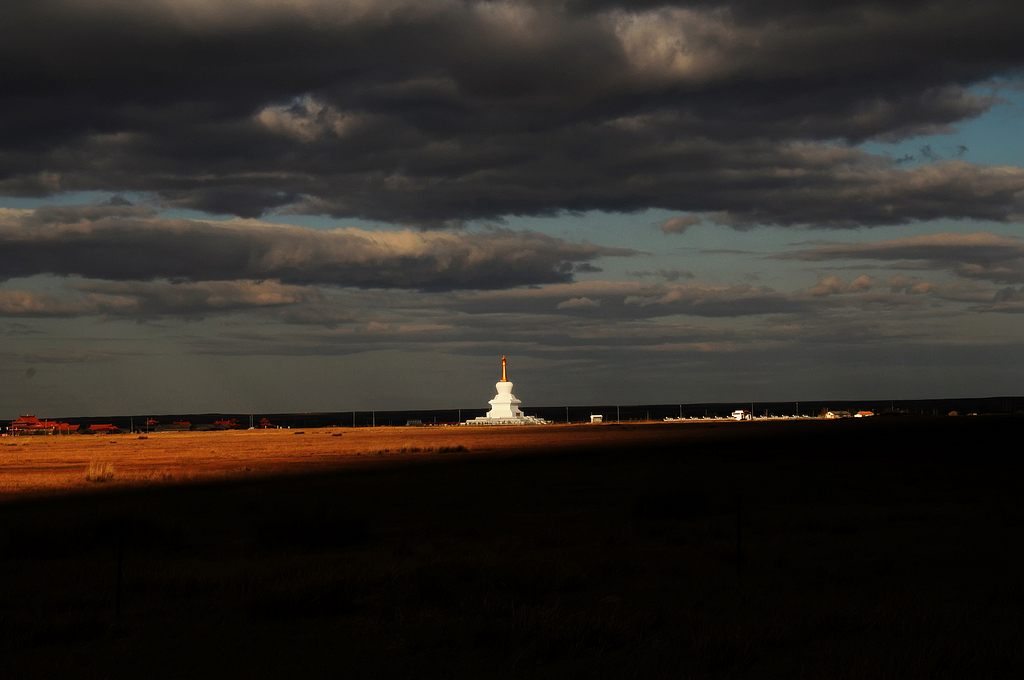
[49, 464]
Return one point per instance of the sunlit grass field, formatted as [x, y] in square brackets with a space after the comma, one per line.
[884, 547]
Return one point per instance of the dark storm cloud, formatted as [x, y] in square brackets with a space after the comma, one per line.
[93, 243]
[980, 256]
[433, 113]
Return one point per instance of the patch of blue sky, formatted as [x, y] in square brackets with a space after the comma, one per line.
[994, 138]
[63, 198]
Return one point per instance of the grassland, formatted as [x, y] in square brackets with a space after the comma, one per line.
[889, 547]
[39, 465]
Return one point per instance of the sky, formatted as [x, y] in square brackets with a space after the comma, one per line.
[331, 205]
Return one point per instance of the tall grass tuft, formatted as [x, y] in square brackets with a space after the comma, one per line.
[99, 472]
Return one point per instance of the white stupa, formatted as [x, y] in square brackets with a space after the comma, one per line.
[505, 406]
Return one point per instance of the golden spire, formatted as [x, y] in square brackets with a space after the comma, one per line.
[504, 373]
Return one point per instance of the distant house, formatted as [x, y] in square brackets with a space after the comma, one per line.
[863, 414]
[105, 428]
[26, 423]
[32, 425]
[740, 414]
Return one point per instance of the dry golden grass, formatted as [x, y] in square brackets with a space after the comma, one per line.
[100, 472]
[42, 465]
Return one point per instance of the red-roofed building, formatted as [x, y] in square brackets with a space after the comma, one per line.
[24, 423]
[32, 425]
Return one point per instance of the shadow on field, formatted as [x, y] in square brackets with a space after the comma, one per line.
[890, 547]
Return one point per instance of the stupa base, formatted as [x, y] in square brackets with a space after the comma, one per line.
[525, 420]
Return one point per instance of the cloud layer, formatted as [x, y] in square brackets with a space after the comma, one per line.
[122, 243]
[980, 256]
[434, 113]
[438, 118]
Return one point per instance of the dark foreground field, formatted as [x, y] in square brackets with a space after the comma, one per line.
[886, 547]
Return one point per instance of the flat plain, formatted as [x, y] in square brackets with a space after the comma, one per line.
[40, 465]
[881, 547]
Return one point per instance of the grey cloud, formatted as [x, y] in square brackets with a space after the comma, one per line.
[68, 356]
[502, 331]
[981, 256]
[832, 285]
[909, 285]
[956, 291]
[26, 303]
[123, 248]
[927, 153]
[630, 300]
[152, 299]
[670, 275]
[71, 214]
[1007, 300]
[16, 329]
[575, 337]
[530, 108]
[141, 301]
[1010, 294]
[742, 184]
[862, 192]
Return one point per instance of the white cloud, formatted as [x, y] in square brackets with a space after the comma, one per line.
[307, 120]
[676, 43]
[578, 303]
[679, 225]
[832, 285]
